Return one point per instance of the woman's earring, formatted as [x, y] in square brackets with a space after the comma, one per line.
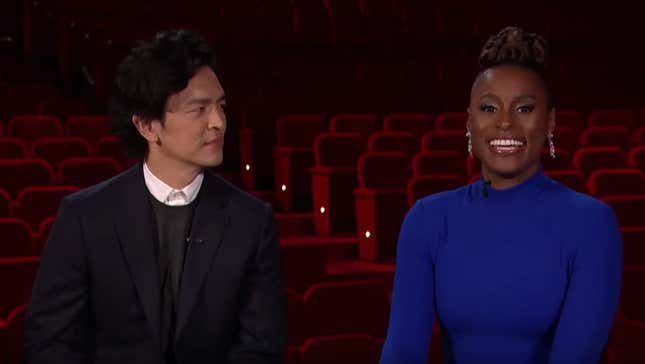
[551, 145]
[470, 143]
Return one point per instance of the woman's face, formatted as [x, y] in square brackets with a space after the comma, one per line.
[509, 119]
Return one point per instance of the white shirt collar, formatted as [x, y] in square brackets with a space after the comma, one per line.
[168, 195]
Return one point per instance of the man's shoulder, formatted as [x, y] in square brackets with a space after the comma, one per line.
[242, 201]
[103, 194]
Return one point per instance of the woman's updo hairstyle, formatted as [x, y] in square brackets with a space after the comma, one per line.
[516, 47]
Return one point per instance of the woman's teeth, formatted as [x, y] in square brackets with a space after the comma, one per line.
[505, 142]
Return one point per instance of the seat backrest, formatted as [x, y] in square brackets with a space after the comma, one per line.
[30, 127]
[12, 148]
[573, 179]
[338, 149]
[442, 161]
[588, 159]
[16, 276]
[636, 157]
[344, 307]
[89, 127]
[605, 136]
[341, 349]
[421, 186]
[298, 130]
[16, 238]
[630, 209]
[35, 204]
[383, 170]
[415, 123]
[84, 172]
[364, 124]
[401, 141]
[618, 117]
[444, 140]
[454, 120]
[56, 149]
[20, 173]
[570, 118]
[623, 181]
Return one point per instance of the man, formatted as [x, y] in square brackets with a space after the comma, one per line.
[166, 262]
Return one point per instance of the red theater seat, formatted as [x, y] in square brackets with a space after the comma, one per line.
[364, 124]
[439, 162]
[16, 276]
[628, 337]
[296, 324]
[11, 335]
[571, 119]
[18, 174]
[35, 204]
[43, 234]
[388, 141]
[416, 123]
[632, 295]
[452, 121]
[445, 140]
[630, 209]
[589, 159]
[333, 308]
[638, 137]
[84, 172]
[422, 186]
[573, 179]
[30, 127]
[6, 209]
[111, 147]
[12, 148]
[611, 182]
[16, 238]
[633, 245]
[619, 117]
[562, 160]
[89, 127]
[293, 158]
[381, 202]
[56, 149]
[636, 157]
[605, 136]
[342, 349]
[334, 178]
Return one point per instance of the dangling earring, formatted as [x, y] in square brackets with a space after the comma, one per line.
[470, 142]
[551, 145]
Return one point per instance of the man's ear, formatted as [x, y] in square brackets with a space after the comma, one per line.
[149, 129]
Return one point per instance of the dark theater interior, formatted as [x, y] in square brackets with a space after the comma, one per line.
[341, 114]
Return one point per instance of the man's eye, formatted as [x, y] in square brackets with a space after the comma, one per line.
[487, 108]
[525, 109]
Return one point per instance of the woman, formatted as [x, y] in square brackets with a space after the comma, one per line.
[516, 267]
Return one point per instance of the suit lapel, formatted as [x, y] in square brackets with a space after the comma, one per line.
[135, 227]
[210, 221]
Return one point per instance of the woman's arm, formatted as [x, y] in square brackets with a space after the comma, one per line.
[412, 310]
[592, 296]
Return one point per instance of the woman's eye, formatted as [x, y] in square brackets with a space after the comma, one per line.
[487, 108]
[525, 109]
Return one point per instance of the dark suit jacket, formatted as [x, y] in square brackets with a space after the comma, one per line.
[96, 298]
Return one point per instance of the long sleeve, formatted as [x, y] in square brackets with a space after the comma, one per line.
[262, 334]
[412, 311]
[56, 318]
[592, 296]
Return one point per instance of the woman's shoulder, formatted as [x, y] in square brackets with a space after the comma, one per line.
[569, 201]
